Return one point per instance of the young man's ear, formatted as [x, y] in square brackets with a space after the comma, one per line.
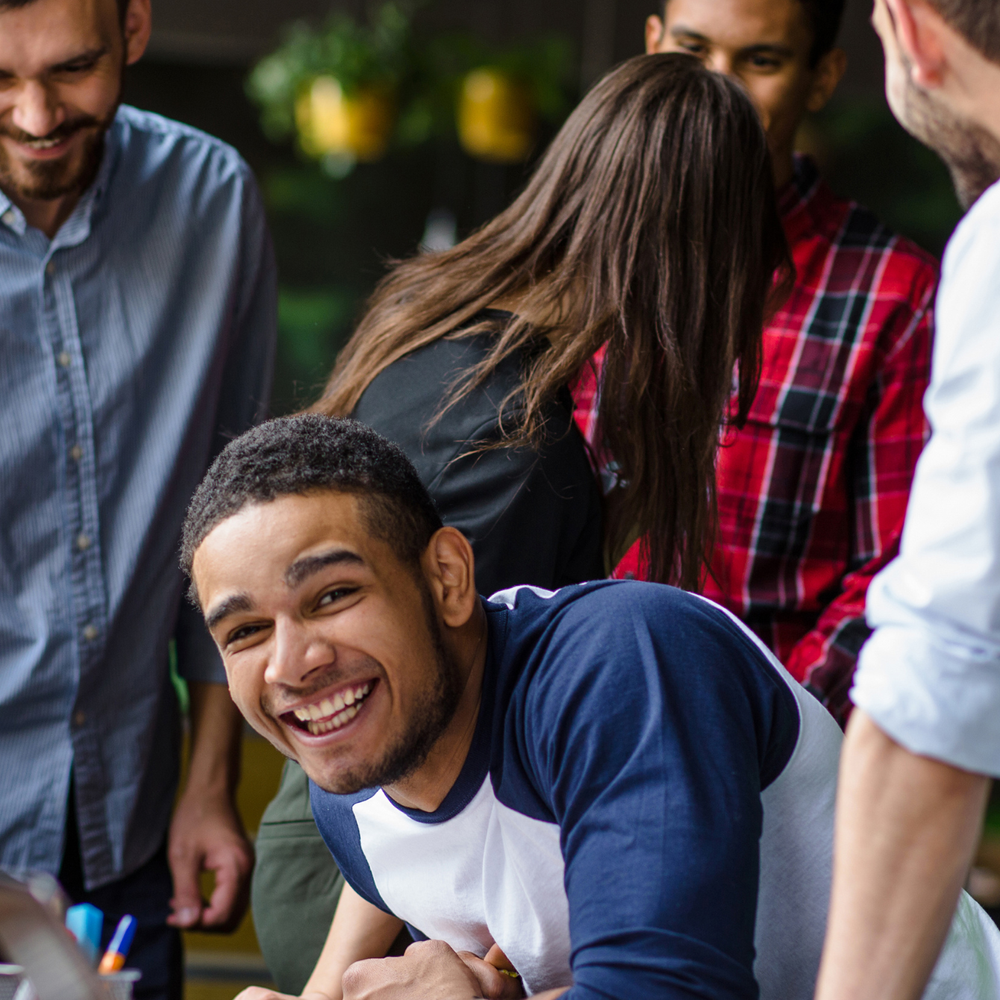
[918, 30]
[137, 29]
[827, 74]
[654, 34]
[449, 567]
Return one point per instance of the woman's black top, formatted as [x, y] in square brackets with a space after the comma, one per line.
[533, 516]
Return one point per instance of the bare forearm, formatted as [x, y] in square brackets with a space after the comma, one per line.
[358, 931]
[215, 740]
[906, 830]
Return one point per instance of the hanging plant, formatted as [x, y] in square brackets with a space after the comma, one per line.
[336, 88]
[347, 91]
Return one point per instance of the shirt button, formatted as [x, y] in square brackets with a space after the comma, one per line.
[76, 453]
[8, 217]
[80, 718]
[64, 359]
[50, 268]
[83, 542]
[90, 633]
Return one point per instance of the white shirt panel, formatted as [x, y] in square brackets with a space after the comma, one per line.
[489, 874]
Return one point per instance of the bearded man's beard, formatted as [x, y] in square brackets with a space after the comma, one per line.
[971, 153]
[45, 180]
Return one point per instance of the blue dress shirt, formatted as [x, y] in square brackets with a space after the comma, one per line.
[135, 343]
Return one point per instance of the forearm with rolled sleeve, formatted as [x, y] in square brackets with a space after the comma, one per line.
[930, 674]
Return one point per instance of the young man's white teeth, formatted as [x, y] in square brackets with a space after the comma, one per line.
[302, 714]
[338, 703]
[360, 693]
[351, 712]
[348, 697]
[326, 707]
[314, 712]
[366, 689]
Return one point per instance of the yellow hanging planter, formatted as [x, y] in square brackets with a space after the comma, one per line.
[496, 116]
[354, 127]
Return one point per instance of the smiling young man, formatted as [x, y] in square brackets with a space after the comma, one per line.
[813, 489]
[137, 313]
[612, 790]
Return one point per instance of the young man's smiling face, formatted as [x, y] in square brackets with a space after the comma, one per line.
[766, 44]
[331, 643]
[61, 64]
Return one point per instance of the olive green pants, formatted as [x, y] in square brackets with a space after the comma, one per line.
[296, 884]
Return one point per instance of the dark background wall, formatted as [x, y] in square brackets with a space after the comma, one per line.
[334, 237]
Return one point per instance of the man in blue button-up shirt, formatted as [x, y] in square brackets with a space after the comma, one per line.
[137, 324]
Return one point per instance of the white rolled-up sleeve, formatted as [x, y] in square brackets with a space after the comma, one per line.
[929, 675]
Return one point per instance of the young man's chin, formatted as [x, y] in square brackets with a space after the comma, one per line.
[47, 173]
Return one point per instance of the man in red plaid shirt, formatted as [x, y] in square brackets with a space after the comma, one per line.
[813, 490]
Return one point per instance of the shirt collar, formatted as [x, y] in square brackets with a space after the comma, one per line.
[801, 198]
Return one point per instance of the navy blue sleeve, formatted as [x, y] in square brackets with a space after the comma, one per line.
[653, 722]
[334, 815]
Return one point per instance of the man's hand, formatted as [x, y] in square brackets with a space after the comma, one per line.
[428, 970]
[493, 974]
[206, 833]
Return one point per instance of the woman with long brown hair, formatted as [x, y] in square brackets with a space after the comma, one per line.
[648, 226]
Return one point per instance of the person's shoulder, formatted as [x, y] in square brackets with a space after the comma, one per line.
[607, 617]
[854, 236]
[978, 231]
[154, 146]
[645, 649]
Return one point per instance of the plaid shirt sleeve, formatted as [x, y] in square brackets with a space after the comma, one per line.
[882, 456]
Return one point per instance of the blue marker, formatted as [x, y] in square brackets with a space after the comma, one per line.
[121, 941]
[85, 923]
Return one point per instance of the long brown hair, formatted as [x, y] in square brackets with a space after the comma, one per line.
[650, 226]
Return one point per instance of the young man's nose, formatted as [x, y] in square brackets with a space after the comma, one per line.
[721, 62]
[296, 654]
[37, 110]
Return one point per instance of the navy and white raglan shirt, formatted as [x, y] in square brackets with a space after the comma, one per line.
[646, 810]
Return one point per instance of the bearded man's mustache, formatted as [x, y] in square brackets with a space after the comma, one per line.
[58, 134]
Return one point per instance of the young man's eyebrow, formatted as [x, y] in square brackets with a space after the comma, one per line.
[768, 49]
[682, 31]
[763, 48]
[302, 569]
[237, 602]
[90, 56]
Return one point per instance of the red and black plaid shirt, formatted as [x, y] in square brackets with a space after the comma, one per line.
[813, 490]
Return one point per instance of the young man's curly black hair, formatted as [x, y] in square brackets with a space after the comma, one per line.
[310, 453]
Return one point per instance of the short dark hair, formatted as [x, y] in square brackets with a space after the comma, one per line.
[824, 18]
[977, 21]
[307, 453]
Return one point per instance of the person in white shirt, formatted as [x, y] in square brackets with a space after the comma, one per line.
[925, 735]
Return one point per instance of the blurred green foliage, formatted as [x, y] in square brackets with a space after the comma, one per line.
[424, 71]
[355, 54]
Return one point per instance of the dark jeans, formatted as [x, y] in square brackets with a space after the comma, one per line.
[156, 950]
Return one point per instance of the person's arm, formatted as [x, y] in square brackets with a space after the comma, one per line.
[358, 931]
[206, 833]
[907, 827]
[881, 460]
[928, 679]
